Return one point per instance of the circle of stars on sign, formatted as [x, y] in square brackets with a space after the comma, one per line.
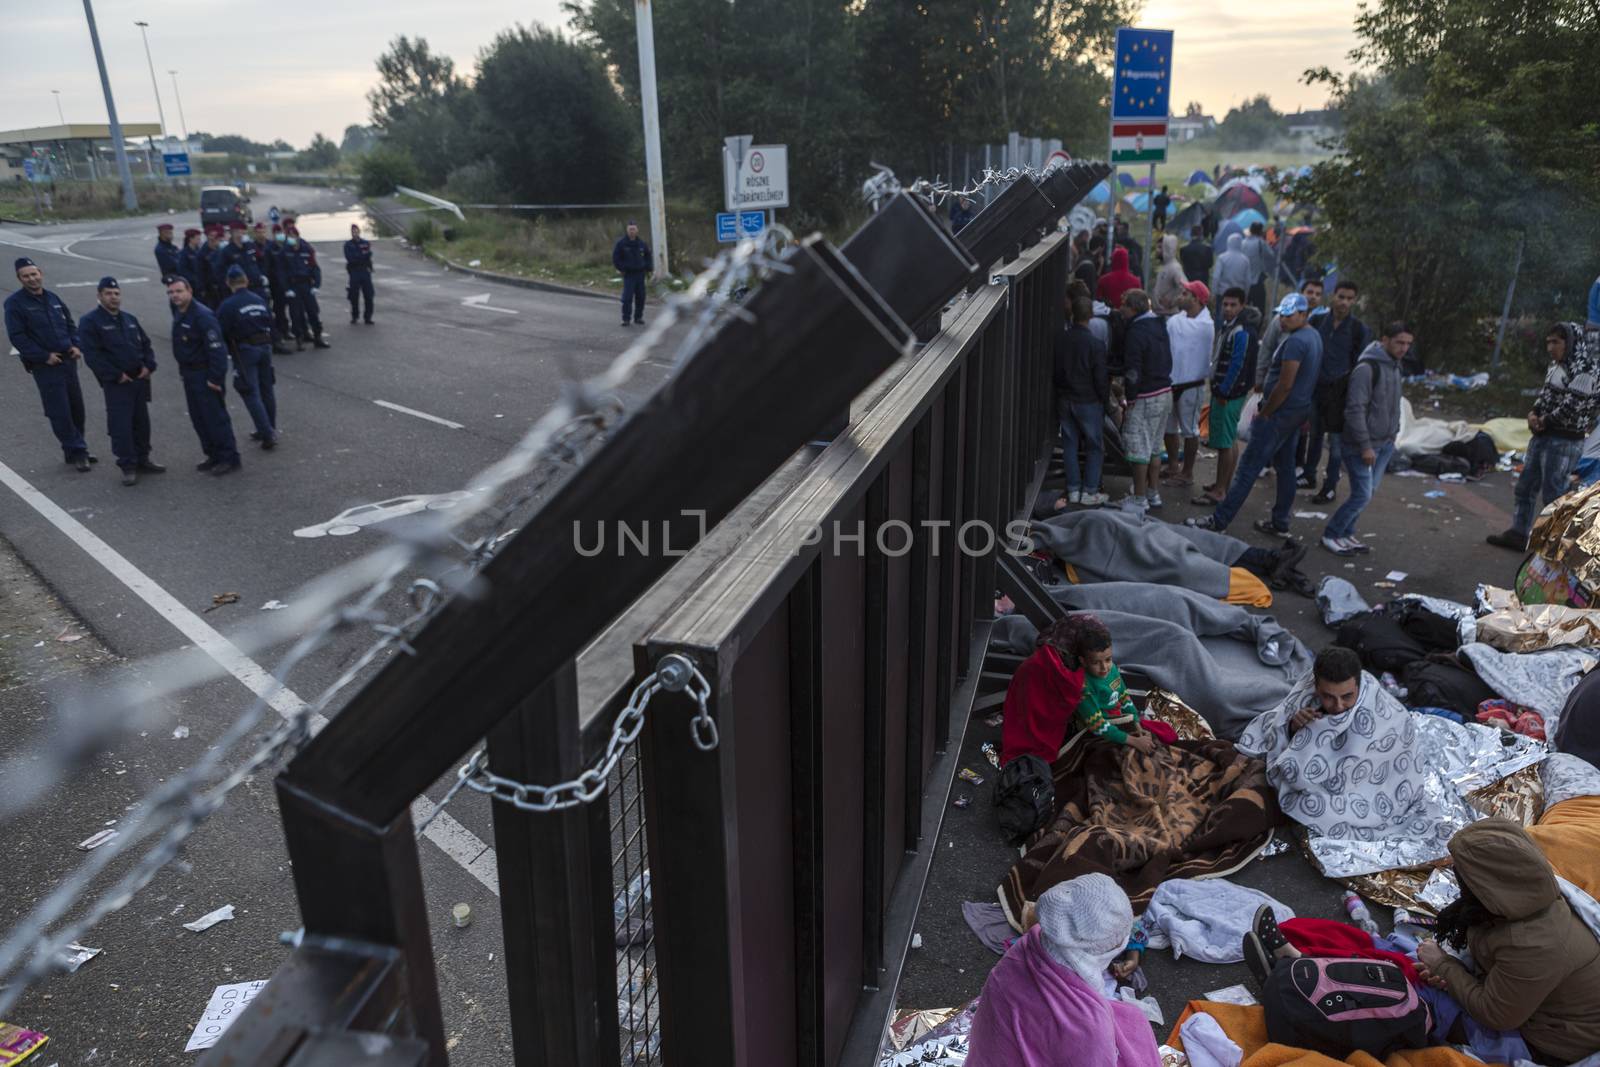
[1143, 45]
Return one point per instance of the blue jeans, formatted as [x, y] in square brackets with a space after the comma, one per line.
[1363, 483]
[1085, 422]
[1546, 473]
[1272, 441]
[1330, 477]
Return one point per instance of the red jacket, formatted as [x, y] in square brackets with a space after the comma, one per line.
[1039, 706]
[1116, 281]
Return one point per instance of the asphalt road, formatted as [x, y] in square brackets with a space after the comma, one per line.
[453, 373]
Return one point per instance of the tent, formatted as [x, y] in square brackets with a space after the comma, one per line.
[1238, 196]
[1125, 179]
[1248, 216]
[1140, 202]
[1189, 217]
[1100, 194]
[1199, 177]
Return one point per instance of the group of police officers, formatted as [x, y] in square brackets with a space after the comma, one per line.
[219, 293]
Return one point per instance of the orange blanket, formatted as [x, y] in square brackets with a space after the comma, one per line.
[1247, 1026]
[1569, 836]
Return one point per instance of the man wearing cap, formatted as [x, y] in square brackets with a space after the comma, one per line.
[358, 262]
[1190, 333]
[118, 351]
[212, 268]
[167, 253]
[1289, 387]
[235, 254]
[42, 331]
[272, 267]
[189, 260]
[247, 328]
[202, 361]
[632, 258]
[302, 276]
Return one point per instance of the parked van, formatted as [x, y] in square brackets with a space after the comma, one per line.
[222, 204]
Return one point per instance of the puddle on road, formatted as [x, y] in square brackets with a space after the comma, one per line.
[324, 226]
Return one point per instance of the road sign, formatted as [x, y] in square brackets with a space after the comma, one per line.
[1141, 87]
[273, 214]
[727, 227]
[752, 223]
[756, 180]
[1139, 142]
[27, 169]
[177, 164]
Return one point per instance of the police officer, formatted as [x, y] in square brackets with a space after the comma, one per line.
[212, 268]
[631, 257]
[202, 361]
[45, 336]
[277, 287]
[261, 247]
[358, 261]
[167, 253]
[189, 260]
[303, 277]
[236, 254]
[247, 327]
[118, 351]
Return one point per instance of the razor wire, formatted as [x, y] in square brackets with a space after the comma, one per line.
[347, 598]
[935, 192]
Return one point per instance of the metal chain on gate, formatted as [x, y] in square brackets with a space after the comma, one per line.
[675, 673]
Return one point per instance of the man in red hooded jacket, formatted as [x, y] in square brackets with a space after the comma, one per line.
[1116, 281]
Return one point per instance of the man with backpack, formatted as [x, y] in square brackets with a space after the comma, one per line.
[1371, 424]
[1233, 373]
[1344, 339]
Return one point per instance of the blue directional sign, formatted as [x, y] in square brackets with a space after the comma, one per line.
[752, 223]
[728, 226]
[273, 215]
[1141, 87]
[27, 169]
[177, 164]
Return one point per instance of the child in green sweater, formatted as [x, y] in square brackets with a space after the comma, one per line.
[1105, 697]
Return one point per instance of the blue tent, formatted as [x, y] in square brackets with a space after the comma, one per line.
[1247, 216]
[1100, 194]
[1140, 202]
[1125, 179]
[1199, 177]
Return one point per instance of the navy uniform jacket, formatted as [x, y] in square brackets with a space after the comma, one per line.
[631, 256]
[213, 271]
[299, 265]
[245, 319]
[38, 326]
[197, 342]
[167, 255]
[358, 255]
[114, 345]
[189, 266]
[247, 263]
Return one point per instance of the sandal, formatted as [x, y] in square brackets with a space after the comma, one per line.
[1206, 500]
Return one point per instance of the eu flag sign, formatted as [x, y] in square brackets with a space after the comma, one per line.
[1141, 87]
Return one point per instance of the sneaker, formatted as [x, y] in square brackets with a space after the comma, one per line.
[1338, 546]
[1204, 522]
[1356, 544]
[1306, 481]
[1324, 496]
[1257, 958]
[1265, 927]
[1265, 526]
[1510, 539]
[1074, 496]
[1135, 504]
[1094, 499]
[1152, 500]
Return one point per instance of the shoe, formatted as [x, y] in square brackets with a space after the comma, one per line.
[320, 343]
[269, 443]
[151, 467]
[1094, 499]
[352, 320]
[1325, 496]
[1510, 539]
[367, 321]
[207, 465]
[279, 349]
[82, 463]
[1357, 545]
[1204, 522]
[1258, 959]
[93, 458]
[1152, 501]
[255, 435]
[1265, 526]
[626, 322]
[638, 322]
[1306, 481]
[1132, 503]
[1265, 927]
[1074, 496]
[1338, 546]
[225, 468]
[130, 476]
[299, 345]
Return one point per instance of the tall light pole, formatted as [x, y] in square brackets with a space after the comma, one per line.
[65, 150]
[130, 201]
[59, 113]
[181, 120]
[652, 133]
[161, 114]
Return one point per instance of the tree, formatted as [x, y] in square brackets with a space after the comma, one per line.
[357, 139]
[423, 109]
[233, 144]
[577, 143]
[383, 168]
[1194, 110]
[320, 155]
[1253, 124]
[409, 74]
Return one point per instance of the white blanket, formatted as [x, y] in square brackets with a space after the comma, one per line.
[1206, 918]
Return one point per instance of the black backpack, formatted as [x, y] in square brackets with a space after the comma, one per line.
[1380, 641]
[1436, 633]
[1439, 684]
[1024, 797]
[1339, 1006]
[1479, 450]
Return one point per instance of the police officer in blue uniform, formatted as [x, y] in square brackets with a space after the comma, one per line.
[631, 257]
[202, 360]
[236, 254]
[167, 253]
[276, 286]
[358, 262]
[118, 351]
[260, 246]
[212, 268]
[247, 327]
[189, 260]
[302, 275]
[42, 331]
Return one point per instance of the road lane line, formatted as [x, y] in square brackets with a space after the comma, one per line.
[402, 409]
[455, 840]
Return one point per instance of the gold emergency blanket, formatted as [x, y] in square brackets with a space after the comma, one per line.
[1512, 626]
[1566, 537]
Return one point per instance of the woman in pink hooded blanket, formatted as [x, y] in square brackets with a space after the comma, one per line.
[1044, 1004]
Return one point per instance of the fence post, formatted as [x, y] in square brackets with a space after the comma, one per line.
[555, 890]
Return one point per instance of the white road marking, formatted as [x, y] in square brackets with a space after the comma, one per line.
[455, 840]
[11, 237]
[481, 302]
[465, 329]
[402, 409]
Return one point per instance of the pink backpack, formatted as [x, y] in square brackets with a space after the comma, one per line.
[1339, 1006]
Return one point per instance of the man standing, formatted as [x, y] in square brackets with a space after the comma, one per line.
[1083, 391]
[1116, 281]
[212, 267]
[247, 327]
[236, 254]
[1191, 334]
[1291, 380]
[1147, 379]
[358, 262]
[41, 329]
[1232, 269]
[118, 351]
[1196, 256]
[1258, 252]
[1563, 415]
[1272, 333]
[302, 275]
[167, 253]
[1134, 249]
[961, 213]
[1371, 424]
[202, 361]
[272, 257]
[1233, 375]
[1161, 201]
[632, 258]
[1344, 339]
[189, 260]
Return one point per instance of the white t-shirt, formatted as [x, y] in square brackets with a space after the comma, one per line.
[1191, 340]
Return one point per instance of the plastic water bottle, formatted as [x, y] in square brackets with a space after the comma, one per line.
[1359, 914]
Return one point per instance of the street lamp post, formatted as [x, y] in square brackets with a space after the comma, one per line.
[130, 201]
[183, 122]
[161, 114]
[66, 145]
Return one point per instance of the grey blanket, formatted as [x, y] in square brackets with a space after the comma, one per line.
[1111, 545]
[1226, 663]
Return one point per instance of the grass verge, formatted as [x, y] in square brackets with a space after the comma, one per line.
[71, 201]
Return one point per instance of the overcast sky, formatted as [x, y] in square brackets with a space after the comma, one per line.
[303, 66]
